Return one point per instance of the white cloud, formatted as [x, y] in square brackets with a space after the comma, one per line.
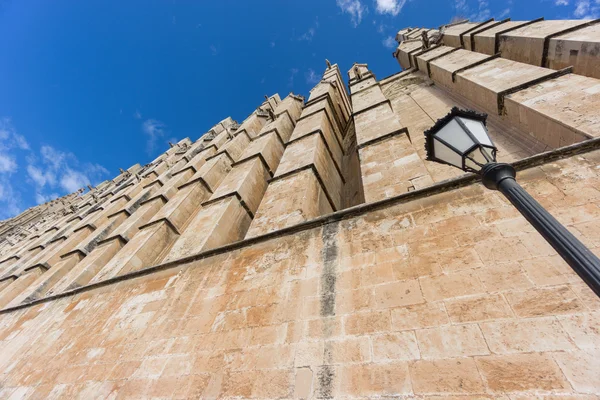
[312, 78]
[137, 114]
[483, 12]
[9, 200]
[389, 42]
[72, 180]
[392, 7]
[7, 164]
[9, 136]
[213, 50]
[41, 198]
[40, 178]
[461, 6]
[353, 7]
[50, 173]
[53, 157]
[561, 2]
[584, 9]
[504, 13]
[61, 171]
[154, 129]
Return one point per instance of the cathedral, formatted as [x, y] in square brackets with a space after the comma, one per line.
[316, 250]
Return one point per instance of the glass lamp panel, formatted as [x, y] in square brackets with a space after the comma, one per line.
[471, 164]
[477, 129]
[477, 155]
[489, 152]
[453, 134]
[446, 154]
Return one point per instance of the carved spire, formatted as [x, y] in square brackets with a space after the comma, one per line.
[328, 63]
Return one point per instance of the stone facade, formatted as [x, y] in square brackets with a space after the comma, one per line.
[312, 251]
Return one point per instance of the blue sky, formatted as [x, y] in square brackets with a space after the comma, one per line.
[88, 87]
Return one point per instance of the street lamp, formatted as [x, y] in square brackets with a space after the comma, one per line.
[461, 139]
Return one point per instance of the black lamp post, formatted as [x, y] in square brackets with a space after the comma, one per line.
[460, 139]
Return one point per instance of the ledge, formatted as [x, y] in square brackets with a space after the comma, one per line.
[563, 32]
[473, 65]
[441, 187]
[233, 194]
[471, 29]
[253, 156]
[485, 28]
[527, 85]
[498, 34]
[428, 62]
[322, 135]
[383, 137]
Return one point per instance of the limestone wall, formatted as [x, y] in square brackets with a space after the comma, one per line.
[414, 298]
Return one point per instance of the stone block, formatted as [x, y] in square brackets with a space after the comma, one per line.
[451, 376]
[526, 44]
[318, 122]
[452, 341]
[483, 83]
[443, 67]
[395, 346]
[269, 147]
[478, 308]
[543, 110]
[360, 380]
[452, 33]
[376, 122]
[423, 59]
[144, 250]
[521, 372]
[312, 151]
[248, 181]
[297, 198]
[86, 269]
[215, 225]
[524, 336]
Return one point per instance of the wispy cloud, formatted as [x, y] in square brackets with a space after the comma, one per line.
[561, 3]
[10, 201]
[381, 27]
[483, 11]
[137, 114]
[293, 73]
[312, 78]
[57, 170]
[9, 137]
[49, 173]
[353, 7]
[272, 44]
[585, 9]
[389, 42]
[392, 7]
[504, 13]
[7, 164]
[213, 50]
[310, 33]
[155, 130]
